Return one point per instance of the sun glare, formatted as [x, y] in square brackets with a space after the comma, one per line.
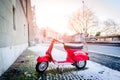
[54, 15]
[51, 19]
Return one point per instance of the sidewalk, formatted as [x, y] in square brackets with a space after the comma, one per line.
[22, 69]
[106, 50]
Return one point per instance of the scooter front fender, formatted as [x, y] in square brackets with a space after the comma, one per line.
[43, 59]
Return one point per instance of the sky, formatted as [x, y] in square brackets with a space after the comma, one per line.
[54, 13]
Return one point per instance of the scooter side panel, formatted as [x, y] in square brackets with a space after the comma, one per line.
[80, 57]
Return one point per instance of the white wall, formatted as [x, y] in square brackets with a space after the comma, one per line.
[9, 54]
[13, 32]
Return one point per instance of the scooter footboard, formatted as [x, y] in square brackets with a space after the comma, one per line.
[43, 59]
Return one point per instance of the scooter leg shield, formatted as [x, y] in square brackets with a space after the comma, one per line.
[43, 59]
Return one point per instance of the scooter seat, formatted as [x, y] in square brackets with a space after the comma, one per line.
[73, 46]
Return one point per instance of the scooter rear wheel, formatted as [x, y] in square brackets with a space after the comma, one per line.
[41, 67]
[80, 64]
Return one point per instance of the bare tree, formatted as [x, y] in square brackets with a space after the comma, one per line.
[111, 27]
[82, 20]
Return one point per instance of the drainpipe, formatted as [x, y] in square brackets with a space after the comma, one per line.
[27, 17]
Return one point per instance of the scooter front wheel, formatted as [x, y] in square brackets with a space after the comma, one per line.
[41, 67]
[80, 64]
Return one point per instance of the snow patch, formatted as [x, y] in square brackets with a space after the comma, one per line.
[58, 55]
[38, 50]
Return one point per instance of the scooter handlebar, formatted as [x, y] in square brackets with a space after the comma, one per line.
[55, 40]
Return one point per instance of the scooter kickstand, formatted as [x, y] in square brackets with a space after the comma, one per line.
[60, 69]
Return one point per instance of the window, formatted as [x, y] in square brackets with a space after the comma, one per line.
[14, 26]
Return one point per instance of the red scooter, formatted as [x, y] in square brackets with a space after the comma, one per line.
[75, 56]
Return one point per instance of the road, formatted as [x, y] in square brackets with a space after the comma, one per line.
[106, 55]
[109, 61]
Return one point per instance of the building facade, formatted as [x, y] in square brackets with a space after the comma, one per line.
[45, 34]
[13, 30]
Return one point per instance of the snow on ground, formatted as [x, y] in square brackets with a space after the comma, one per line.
[39, 50]
[93, 71]
[101, 71]
[57, 55]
